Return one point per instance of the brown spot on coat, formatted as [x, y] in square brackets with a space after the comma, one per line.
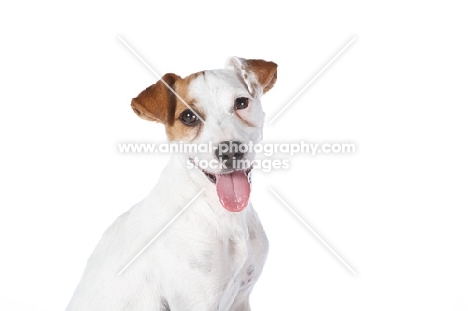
[178, 130]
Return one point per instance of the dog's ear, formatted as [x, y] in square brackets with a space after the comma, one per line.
[157, 102]
[258, 75]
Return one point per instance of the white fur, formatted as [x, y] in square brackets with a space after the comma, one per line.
[209, 258]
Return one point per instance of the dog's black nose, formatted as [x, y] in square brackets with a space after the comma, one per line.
[229, 152]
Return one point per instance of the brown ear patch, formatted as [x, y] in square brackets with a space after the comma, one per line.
[265, 72]
[157, 102]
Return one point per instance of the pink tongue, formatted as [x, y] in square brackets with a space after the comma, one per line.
[233, 190]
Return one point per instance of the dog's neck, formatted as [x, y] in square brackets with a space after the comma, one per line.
[181, 184]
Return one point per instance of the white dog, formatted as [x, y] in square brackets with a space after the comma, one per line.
[210, 257]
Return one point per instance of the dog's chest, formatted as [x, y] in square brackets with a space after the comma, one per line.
[246, 265]
[229, 264]
[229, 258]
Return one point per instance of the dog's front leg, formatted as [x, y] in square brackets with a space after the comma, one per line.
[192, 302]
[241, 303]
[192, 306]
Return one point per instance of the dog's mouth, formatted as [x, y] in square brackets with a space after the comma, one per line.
[232, 187]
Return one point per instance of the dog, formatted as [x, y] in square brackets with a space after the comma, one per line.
[212, 254]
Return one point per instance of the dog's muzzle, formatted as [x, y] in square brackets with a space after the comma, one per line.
[233, 181]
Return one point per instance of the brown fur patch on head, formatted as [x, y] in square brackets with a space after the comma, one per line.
[158, 103]
[178, 130]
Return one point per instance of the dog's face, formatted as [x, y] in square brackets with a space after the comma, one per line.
[219, 108]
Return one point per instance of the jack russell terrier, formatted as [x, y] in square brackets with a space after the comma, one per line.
[211, 256]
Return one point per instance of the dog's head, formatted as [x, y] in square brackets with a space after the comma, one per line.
[219, 108]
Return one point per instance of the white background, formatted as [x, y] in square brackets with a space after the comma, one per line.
[396, 210]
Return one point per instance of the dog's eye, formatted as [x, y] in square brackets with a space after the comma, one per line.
[241, 103]
[189, 118]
